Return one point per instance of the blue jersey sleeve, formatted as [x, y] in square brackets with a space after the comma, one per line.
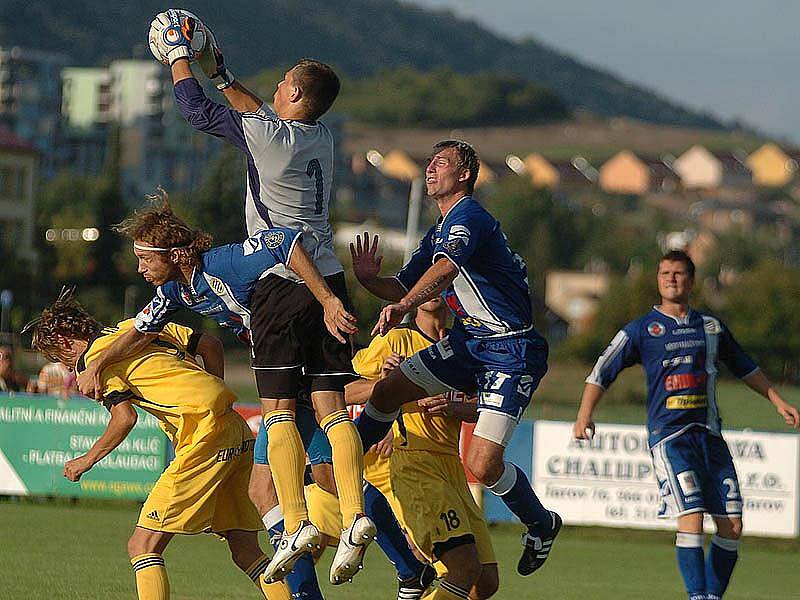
[207, 116]
[732, 354]
[262, 251]
[620, 354]
[153, 317]
[460, 235]
[419, 262]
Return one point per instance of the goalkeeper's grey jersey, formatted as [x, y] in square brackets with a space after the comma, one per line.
[289, 170]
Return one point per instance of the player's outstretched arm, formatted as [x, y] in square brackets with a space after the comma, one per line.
[367, 268]
[583, 429]
[759, 382]
[337, 319]
[432, 283]
[210, 349]
[90, 381]
[123, 418]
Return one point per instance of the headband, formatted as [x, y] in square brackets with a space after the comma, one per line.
[156, 248]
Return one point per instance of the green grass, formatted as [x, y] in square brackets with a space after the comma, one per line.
[55, 550]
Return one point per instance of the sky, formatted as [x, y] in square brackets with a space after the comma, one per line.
[734, 58]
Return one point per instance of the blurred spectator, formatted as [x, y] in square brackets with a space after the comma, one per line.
[11, 380]
[56, 380]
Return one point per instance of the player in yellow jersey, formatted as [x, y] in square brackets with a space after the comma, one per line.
[424, 479]
[204, 489]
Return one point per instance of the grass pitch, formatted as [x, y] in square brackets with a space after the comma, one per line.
[59, 551]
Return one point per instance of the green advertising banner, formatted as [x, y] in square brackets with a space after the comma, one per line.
[38, 434]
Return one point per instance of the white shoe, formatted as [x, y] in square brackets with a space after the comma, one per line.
[290, 548]
[350, 551]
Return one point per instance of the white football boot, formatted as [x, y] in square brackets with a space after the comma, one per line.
[290, 548]
[350, 551]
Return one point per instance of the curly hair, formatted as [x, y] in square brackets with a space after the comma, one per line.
[160, 227]
[66, 318]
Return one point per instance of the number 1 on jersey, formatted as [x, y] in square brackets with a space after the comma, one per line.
[314, 169]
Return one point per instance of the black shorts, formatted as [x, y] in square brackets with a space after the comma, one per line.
[290, 341]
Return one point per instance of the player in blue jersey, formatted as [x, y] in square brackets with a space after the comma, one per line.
[680, 350]
[492, 349]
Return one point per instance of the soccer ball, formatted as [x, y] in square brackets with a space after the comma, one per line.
[163, 35]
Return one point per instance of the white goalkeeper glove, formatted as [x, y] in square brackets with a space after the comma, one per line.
[212, 62]
[175, 34]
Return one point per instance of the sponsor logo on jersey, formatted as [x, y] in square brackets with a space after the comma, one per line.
[226, 454]
[273, 239]
[687, 402]
[677, 360]
[186, 296]
[656, 329]
[457, 239]
[216, 284]
[153, 515]
[682, 381]
[684, 344]
[712, 326]
[683, 331]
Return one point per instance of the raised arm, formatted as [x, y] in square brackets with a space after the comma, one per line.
[759, 382]
[432, 283]
[123, 418]
[367, 266]
[129, 343]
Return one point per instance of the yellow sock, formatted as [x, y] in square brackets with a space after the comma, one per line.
[271, 591]
[348, 463]
[151, 577]
[447, 591]
[287, 460]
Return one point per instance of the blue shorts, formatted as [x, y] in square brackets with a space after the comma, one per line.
[695, 473]
[314, 439]
[504, 372]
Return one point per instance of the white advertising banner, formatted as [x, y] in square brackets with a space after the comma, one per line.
[611, 482]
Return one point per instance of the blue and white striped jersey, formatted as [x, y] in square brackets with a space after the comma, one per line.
[680, 359]
[222, 283]
[489, 297]
[289, 170]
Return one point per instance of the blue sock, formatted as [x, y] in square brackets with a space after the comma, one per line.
[390, 536]
[691, 563]
[722, 556]
[373, 425]
[516, 492]
[302, 580]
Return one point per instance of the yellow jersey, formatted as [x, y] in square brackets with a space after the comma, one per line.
[165, 380]
[414, 429]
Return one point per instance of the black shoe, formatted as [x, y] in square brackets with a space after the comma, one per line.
[537, 547]
[415, 587]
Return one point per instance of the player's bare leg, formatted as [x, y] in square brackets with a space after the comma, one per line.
[247, 555]
[358, 530]
[145, 549]
[504, 479]
[463, 572]
[722, 555]
[487, 584]
[288, 459]
[691, 558]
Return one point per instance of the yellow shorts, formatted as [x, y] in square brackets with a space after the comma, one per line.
[204, 489]
[433, 503]
[376, 471]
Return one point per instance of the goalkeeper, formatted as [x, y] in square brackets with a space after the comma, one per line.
[289, 176]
